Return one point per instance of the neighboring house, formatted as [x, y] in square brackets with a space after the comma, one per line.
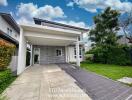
[124, 40]
[50, 42]
[88, 46]
[9, 31]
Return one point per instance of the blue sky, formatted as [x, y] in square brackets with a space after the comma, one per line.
[74, 12]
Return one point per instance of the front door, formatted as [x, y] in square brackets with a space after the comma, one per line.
[36, 55]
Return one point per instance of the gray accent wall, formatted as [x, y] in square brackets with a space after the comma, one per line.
[48, 54]
[13, 64]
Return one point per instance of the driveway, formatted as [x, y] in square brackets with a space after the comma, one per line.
[47, 82]
[98, 87]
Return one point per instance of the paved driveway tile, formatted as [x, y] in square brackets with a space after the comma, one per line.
[98, 87]
[45, 82]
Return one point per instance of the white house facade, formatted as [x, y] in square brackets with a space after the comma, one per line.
[9, 31]
[7, 27]
[50, 42]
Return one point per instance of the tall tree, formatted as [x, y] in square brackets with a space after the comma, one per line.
[106, 27]
[104, 35]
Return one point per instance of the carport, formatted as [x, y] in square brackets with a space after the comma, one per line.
[39, 36]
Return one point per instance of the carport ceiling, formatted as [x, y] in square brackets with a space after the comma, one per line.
[46, 41]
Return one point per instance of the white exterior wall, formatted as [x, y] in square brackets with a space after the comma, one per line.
[22, 53]
[4, 25]
[71, 56]
[49, 35]
[13, 64]
[15, 35]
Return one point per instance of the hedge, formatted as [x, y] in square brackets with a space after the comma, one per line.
[119, 55]
[6, 52]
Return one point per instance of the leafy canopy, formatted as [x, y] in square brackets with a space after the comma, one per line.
[106, 27]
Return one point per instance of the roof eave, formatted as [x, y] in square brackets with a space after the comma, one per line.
[65, 25]
[10, 20]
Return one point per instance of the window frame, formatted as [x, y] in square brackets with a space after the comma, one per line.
[9, 31]
[60, 49]
[80, 52]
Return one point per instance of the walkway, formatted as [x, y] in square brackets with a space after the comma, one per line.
[47, 82]
[98, 87]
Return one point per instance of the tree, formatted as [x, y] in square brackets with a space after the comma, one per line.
[106, 27]
[126, 25]
[104, 35]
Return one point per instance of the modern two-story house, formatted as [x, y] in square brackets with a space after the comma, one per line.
[50, 42]
[9, 32]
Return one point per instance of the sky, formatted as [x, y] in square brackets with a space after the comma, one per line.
[73, 12]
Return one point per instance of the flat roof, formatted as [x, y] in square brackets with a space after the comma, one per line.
[10, 20]
[60, 24]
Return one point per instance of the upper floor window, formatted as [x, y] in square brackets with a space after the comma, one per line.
[79, 38]
[9, 31]
[16, 35]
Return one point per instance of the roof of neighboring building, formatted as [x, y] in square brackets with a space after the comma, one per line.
[8, 38]
[124, 40]
[38, 21]
[10, 20]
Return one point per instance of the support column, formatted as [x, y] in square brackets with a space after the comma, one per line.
[31, 57]
[77, 54]
[21, 53]
[66, 54]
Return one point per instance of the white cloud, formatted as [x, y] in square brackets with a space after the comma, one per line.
[93, 5]
[73, 23]
[3, 3]
[27, 11]
[70, 4]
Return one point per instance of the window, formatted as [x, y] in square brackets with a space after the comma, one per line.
[16, 35]
[80, 52]
[9, 31]
[58, 52]
[74, 51]
[79, 38]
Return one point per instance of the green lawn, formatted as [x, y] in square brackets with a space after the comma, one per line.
[111, 71]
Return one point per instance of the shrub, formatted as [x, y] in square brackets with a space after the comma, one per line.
[6, 51]
[119, 55]
[89, 57]
[5, 79]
